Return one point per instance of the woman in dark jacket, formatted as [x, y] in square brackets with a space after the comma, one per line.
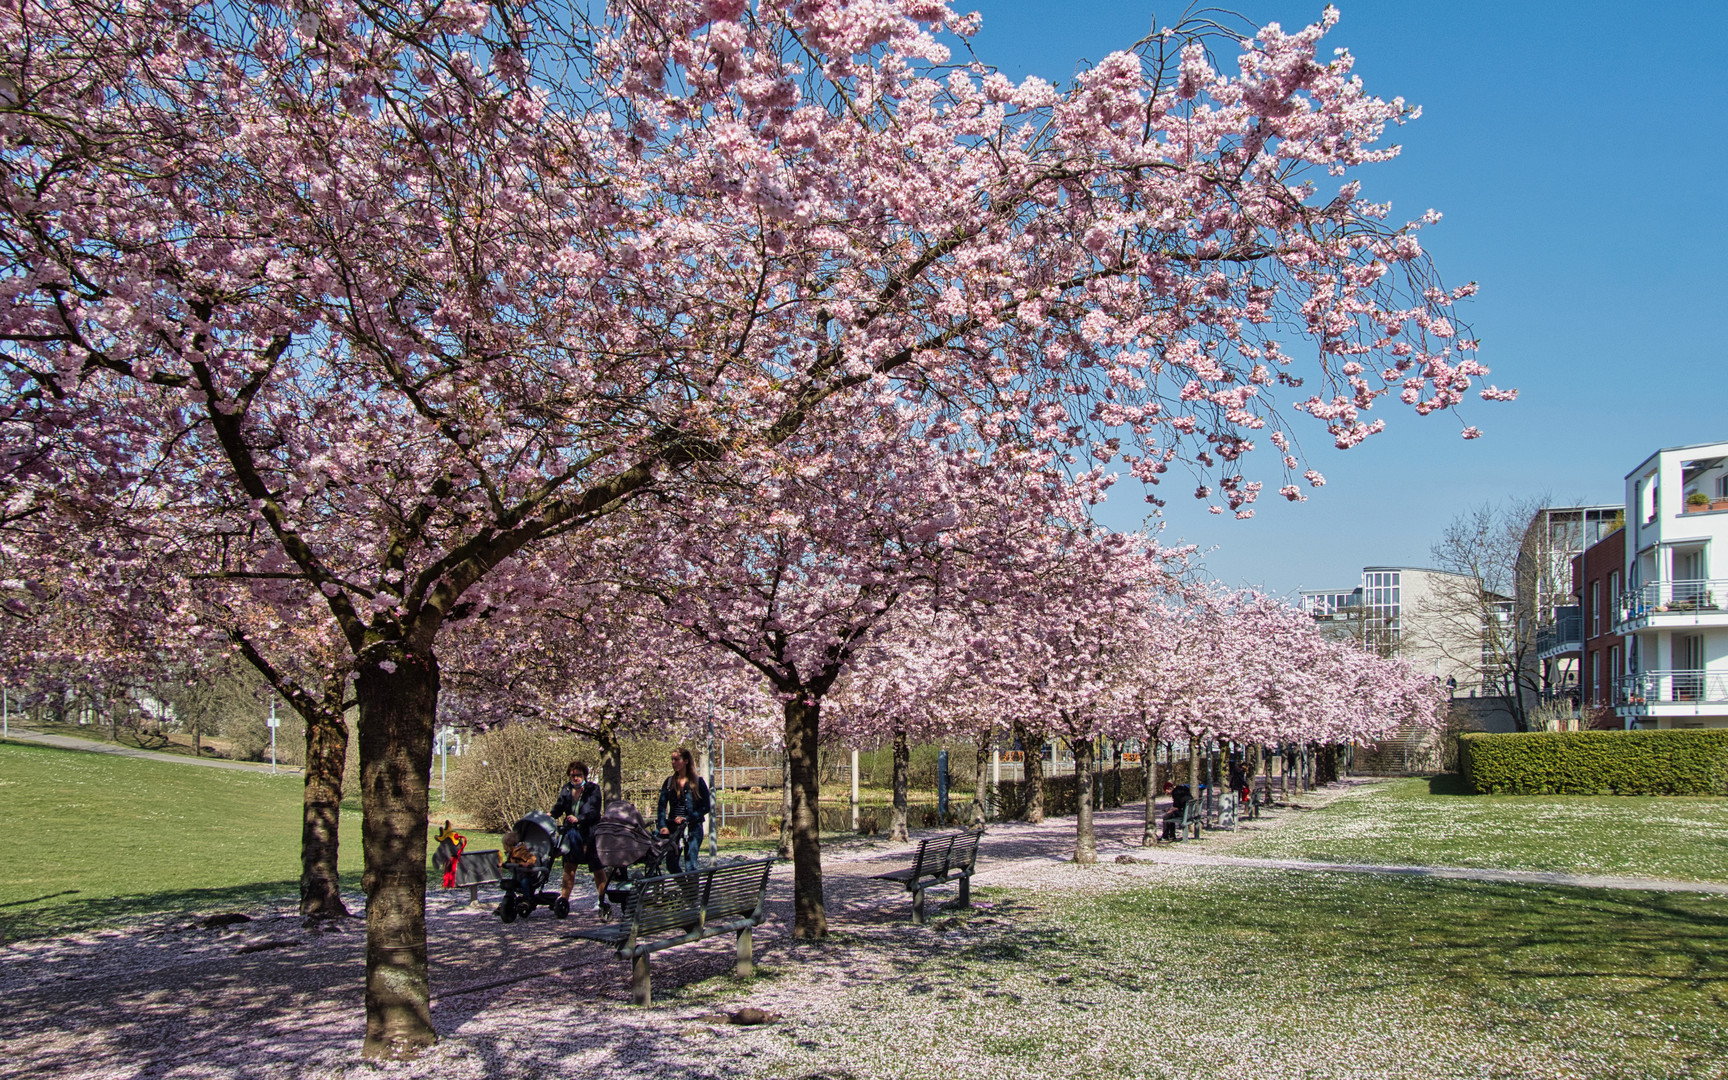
[684, 802]
[576, 811]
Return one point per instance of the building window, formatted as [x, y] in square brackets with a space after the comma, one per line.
[1614, 590]
[1596, 678]
[1595, 608]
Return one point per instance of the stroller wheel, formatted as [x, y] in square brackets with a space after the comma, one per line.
[507, 910]
[561, 907]
[526, 905]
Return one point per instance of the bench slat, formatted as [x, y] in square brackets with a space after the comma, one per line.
[686, 901]
[901, 876]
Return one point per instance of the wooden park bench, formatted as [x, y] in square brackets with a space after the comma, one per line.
[1189, 824]
[473, 868]
[1262, 795]
[688, 907]
[940, 859]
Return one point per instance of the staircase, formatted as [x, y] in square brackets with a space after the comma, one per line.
[1411, 752]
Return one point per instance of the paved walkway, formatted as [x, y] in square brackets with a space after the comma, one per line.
[94, 746]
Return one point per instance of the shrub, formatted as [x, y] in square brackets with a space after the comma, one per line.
[1690, 762]
[1059, 792]
[511, 770]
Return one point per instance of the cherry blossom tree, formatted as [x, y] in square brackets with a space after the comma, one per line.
[834, 537]
[420, 285]
[593, 659]
[916, 681]
[1068, 638]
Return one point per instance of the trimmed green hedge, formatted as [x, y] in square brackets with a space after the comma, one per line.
[1686, 762]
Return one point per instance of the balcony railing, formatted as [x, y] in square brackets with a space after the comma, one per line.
[1674, 597]
[1564, 634]
[1673, 688]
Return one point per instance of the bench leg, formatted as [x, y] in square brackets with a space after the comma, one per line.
[965, 899]
[917, 907]
[641, 992]
[746, 964]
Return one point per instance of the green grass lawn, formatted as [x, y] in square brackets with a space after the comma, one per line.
[1431, 823]
[1285, 974]
[94, 838]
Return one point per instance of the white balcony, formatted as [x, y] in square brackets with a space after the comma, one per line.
[1563, 636]
[1675, 605]
[1673, 693]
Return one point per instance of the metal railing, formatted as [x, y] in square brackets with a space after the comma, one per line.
[1564, 634]
[1674, 597]
[1684, 687]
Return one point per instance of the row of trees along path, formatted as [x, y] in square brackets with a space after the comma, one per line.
[329, 326]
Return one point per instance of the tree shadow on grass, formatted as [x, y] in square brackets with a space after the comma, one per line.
[1449, 784]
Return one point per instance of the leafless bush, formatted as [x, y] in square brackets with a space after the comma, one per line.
[505, 773]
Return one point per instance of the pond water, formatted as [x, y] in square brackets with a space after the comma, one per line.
[761, 817]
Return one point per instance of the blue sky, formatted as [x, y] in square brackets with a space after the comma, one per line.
[1580, 166]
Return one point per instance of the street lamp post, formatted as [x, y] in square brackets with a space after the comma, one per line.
[274, 724]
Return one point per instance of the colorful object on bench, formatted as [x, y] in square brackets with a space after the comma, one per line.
[690, 906]
[449, 853]
[455, 857]
[939, 859]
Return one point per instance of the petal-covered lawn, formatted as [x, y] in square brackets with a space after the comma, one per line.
[1431, 823]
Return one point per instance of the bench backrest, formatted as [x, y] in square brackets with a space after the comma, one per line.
[939, 854]
[693, 898]
[476, 868]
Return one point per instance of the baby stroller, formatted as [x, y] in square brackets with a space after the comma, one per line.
[525, 886]
[627, 851]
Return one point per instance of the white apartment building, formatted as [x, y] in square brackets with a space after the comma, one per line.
[1674, 611]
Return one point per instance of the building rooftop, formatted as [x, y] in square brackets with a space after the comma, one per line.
[1719, 449]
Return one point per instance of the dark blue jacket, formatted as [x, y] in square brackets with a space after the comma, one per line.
[582, 801]
[692, 804]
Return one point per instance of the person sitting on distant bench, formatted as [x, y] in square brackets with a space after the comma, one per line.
[1180, 796]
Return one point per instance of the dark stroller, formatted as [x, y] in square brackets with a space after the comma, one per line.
[627, 850]
[525, 886]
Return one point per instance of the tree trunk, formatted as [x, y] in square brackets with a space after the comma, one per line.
[397, 711]
[1194, 766]
[1085, 836]
[1328, 764]
[803, 719]
[1149, 771]
[611, 762]
[784, 849]
[1033, 764]
[902, 768]
[321, 813]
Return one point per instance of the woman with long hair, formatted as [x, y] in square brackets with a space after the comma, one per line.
[684, 803]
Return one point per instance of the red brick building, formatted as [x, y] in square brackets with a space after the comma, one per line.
[1597, 582]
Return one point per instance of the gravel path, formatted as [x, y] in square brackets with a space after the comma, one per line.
[271, 998]
[93, 746]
